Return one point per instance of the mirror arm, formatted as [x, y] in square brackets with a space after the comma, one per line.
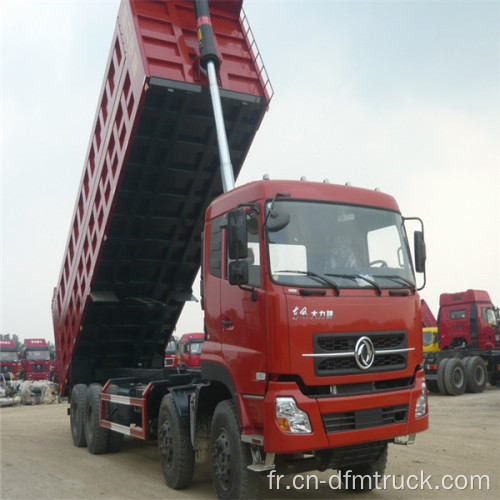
[251, 289]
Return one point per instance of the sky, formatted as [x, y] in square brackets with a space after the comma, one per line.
[399, 95]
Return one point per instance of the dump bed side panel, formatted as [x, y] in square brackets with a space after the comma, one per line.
[151, 170]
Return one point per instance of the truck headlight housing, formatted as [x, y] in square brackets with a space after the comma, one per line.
[290, 418]
[421, 406]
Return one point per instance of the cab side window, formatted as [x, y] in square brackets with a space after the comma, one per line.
[215, 264]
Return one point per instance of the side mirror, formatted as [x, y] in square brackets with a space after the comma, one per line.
[277, 221]
[237, 239]
[420, 251]
[238, 272]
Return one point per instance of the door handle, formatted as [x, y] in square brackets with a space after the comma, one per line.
[227, 323]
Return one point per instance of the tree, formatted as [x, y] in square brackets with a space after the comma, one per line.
[18, 342]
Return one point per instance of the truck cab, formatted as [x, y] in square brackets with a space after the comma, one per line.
[311, 311]
[35, 360]
[190, 347]
[431, 339]
[172, 354]
[9, 358]
[468, 320]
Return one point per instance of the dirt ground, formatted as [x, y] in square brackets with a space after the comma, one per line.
[38, 460]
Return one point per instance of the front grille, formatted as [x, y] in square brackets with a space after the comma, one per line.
[343, 346]
[364, 419]
[38, 367]
[331, 343]
[349, 364]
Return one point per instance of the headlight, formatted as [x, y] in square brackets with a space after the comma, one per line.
[421, 406]
[290, 418]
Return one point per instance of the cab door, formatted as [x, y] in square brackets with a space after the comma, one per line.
[243, 321]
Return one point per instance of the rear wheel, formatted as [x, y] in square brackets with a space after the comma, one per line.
[476, 374]
[174, 445]
[440, 376]
[454, 377]
[364, 477]
[96, 436]
[77, 414]
[230, 456]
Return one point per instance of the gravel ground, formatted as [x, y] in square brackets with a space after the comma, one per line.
[38, 460]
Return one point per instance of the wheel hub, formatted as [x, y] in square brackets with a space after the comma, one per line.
[166, 444]
[221, 459]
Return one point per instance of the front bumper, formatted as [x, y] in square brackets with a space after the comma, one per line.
[344, 421]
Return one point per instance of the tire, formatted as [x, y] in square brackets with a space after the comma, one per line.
[359, 480]
[454, 377]
[440, 376]
[174, 445]
[77, 414]
[476, 374]
[115, 440]
[96, 436]
[230, 457]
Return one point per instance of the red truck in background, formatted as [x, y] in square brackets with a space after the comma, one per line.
[172, 354]
[190, 346]
[35, 360]
[9, 358]
[468, 337]
[468, 320]
[313, 350]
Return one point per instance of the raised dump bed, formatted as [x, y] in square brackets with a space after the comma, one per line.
[152, 168]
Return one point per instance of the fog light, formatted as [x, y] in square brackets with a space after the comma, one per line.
[421, 406]
[290, 418]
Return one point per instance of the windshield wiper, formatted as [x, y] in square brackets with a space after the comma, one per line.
[395, 277]
[313, 275]
[354, 277]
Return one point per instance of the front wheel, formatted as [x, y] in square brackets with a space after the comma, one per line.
[230, 456]
[174, 445]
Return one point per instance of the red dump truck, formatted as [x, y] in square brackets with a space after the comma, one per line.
[313, 350]
[9, 358]
[468, 336]
[190, 347]
[35, 360]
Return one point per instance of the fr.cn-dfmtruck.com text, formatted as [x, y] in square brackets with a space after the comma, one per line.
[420, 481]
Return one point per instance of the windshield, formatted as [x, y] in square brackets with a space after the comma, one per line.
[171, 347]
[352, 246]
[38, 355]
[8, 356]
[196, 347]
[427, 338]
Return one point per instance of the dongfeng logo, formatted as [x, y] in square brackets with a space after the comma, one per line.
[364, 353]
